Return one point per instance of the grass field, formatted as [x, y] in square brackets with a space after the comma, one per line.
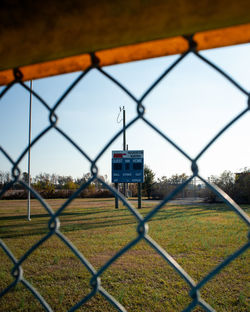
[197, 236]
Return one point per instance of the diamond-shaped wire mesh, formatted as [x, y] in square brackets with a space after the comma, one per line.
[142, 227]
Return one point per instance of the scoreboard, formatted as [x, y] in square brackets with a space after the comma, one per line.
[128, 166]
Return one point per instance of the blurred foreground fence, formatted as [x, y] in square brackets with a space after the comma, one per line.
[142, 228]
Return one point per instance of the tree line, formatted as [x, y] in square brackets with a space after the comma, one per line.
[54, 186]
[163, 186]
[236, 185]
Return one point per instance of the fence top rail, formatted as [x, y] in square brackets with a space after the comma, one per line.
[45, 39]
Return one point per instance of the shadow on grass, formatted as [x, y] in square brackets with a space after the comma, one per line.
[85, 219]
[46, 215]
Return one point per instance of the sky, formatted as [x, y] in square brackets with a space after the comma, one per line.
[190, 106]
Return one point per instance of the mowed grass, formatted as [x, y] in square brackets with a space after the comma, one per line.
[198, 237]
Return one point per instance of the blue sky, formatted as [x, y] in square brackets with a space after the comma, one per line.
[190, 105]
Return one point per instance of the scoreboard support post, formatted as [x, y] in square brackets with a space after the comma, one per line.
[116, 198]
[139, 195]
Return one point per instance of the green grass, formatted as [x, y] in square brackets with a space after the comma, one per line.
[198, 237]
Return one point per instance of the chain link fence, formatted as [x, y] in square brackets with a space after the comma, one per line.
[142, 227]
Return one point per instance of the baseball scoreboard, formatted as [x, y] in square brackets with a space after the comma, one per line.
[128, 166]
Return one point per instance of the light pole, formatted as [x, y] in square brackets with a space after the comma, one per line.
[30, 111]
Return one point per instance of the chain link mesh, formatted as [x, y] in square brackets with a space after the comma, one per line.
[142, 227]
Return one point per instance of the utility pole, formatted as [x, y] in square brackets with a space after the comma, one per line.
[125, 147]
[124, 143]
[30, 111]
[124, 130]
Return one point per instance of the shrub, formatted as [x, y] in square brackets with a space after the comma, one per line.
[237, 186]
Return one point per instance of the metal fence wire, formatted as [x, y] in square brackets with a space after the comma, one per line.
[142, 228]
